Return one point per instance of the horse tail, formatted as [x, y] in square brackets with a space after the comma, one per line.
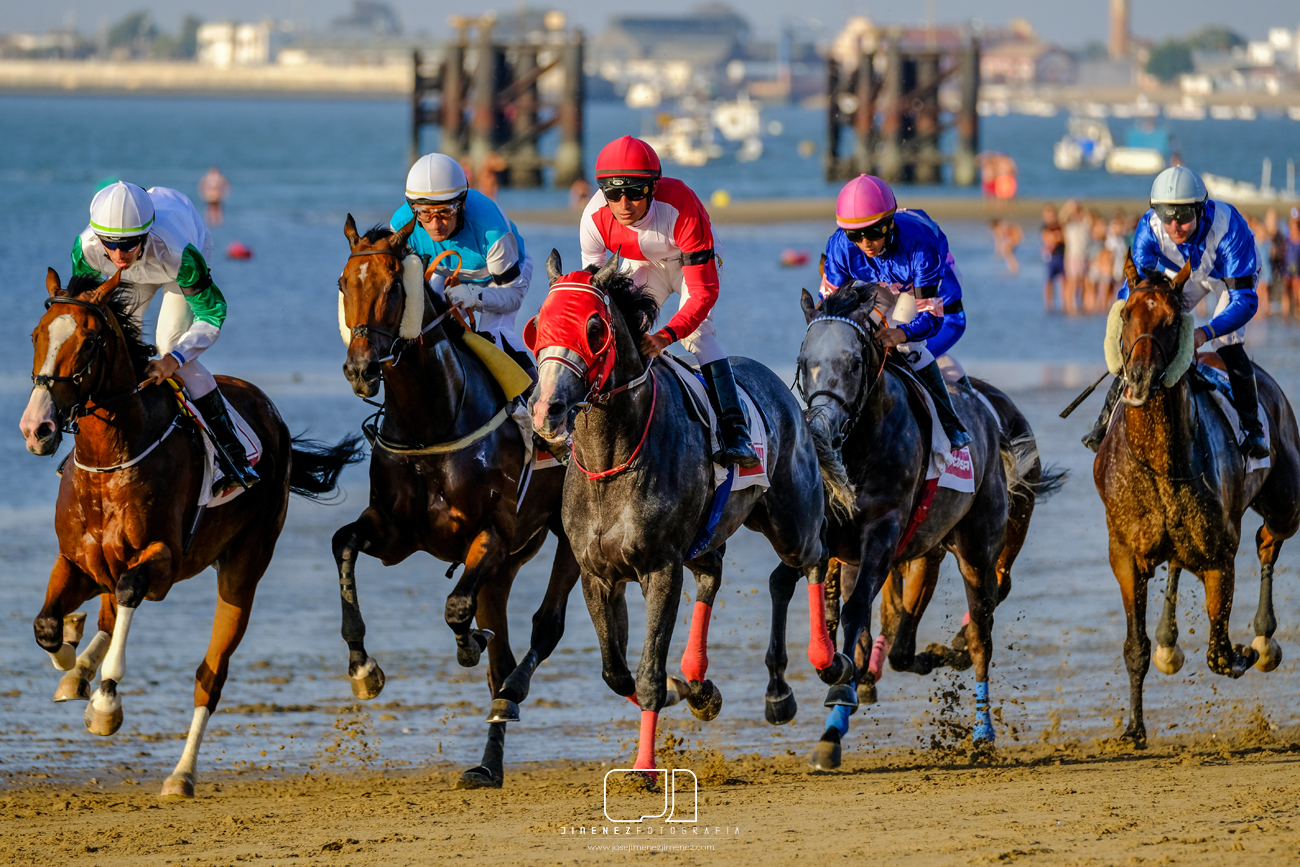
[316, 465]
[1026, 477]
[835, 477]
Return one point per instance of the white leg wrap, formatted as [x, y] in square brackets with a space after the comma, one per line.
[88, 662]
[65, 658]
[115, 662]
[189, 758]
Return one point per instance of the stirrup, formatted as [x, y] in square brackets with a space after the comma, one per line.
[1253, 446]
[958, 439]
[1092, 440]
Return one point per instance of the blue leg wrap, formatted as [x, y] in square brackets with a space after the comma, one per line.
[838, 719]
[983, 719]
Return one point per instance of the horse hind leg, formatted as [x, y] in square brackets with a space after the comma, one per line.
[364, 674]
[1169, 657]
[781, 706]
[1269, 546]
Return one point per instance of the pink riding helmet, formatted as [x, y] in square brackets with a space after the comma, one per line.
[864, 200]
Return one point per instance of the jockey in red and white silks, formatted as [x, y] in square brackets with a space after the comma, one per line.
[662, 232]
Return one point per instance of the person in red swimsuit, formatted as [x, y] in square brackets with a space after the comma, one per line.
[662, 232]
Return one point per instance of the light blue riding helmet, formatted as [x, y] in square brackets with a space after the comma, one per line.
[1178, 185]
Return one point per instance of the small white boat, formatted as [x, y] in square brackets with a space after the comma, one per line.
[739, 120]
[750, 150]
[687, 141]
[1135, 161]
[1293, 112]
[1222, 112]
[1242, 192]
[642, 94]
[1246, 112]
[1086, 144]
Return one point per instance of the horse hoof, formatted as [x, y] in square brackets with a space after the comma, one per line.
[1135, 737]
[1270, 653]
[72, 687]
[477, 778]
[705, 700]
[840, 671]
[503, 710]
[780, 711]
[843, 695]
[867, 690]
[103, 723]
[178, 786]
[74, 626]
[983, 734]
[470, 647]
[1168, 660]
[825, 756]
[367, 680]
[954, 658]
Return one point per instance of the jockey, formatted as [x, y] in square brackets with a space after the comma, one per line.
[662, 232]
[1183, 225]
[159, 241]
[494, 269]
[906, 251]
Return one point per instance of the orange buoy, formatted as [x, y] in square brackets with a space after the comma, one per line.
[237, 250]
[791, 258]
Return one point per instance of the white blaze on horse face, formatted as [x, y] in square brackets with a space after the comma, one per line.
[549, 379]
[344, 331]
[365, 266]
[40, 406]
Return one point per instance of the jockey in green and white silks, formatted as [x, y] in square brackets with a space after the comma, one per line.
[495, 270]
[160, 242]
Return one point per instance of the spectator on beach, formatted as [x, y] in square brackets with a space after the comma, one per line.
[1096, 284]
[1053, 241]
[1007, 236]
[1275, 261]
[1119, 234]
[213, 189]
[1292, 263]
[1264, 283]
[1004, 179]
[1075, 230]
[579, 194]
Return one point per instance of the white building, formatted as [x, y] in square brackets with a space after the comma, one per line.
[229, 44]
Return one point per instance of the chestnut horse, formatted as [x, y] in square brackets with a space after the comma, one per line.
[447, 476]
[1175, 486]
[127, 518]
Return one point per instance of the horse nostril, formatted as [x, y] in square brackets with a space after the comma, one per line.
[45, 431]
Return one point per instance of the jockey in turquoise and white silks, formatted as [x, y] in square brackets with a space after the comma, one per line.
[495, 270]
[1183, 226]
[908, 253]
[160, 242]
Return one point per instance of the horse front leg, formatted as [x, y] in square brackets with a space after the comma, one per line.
[1137, 646]
[607, 608]
[662, 589]
[486, 559]
[981, 598]
[781, 705]
[1224, 657]
[75, 685]
[1169, 657]
[59, 628]
[366, 534]
[704, 698]
[153, 565]
[1269, 546]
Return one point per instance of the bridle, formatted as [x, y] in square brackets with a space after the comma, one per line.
[396, 344]
[1146, 335]
[867, 337]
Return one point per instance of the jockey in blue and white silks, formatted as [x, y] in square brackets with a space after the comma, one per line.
[495, 270]
[907, 252]
[1184, 226]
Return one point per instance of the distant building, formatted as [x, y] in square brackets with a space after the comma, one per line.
[1027, 61]
[226, 44]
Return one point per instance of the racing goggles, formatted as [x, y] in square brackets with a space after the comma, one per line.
[874, 232]
[446, 210]
[633, 189]
[1181, 214]
[123, 244]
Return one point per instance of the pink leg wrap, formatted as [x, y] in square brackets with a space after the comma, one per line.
[820, 650]
[879, 650]
[965, 618]
[695, 661]
[645, 754]
[632, 698]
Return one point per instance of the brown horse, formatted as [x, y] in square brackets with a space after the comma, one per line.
[128, 520]
[1175, 485]
[447, 476]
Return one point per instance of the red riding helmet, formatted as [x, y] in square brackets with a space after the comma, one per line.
[627, 157]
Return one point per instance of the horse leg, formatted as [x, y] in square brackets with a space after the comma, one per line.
[662, 590]
[704, 698]
[104, 712]
[1137, 646]
[59, 628]
[977, 558]
[833, 597]
[486, 558]
[603, 603]
[1222, 655]
[1269, 546]
[868, 656]
[781, 706]
[368, 534]
[918, 579]
[1169, 657]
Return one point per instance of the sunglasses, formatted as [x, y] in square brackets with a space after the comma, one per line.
[632, 194]
[1181, 214]
[869, 233]
[424, 213]
[123, 243]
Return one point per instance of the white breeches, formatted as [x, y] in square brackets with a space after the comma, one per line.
[897, 310]
[174, 319]
[661, 279]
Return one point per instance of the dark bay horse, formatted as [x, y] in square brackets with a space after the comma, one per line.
[127, 518]
[640, 487]
[1175, 486]
[875, 449]
[447, 476]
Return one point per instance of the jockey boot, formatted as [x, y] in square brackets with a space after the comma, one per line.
[237, 469]
[732, 427]
[1245, 398]
[1092, 439]
[932, 378]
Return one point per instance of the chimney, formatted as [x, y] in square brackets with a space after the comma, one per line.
[1119, 45]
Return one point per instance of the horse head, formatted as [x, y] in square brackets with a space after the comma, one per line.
[839, 358]
[68, 363]
[381, 293]
[573, 336]
[1154, 333]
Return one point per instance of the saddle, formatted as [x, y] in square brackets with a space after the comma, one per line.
[212, 471]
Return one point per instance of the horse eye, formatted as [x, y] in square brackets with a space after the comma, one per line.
[857, 364]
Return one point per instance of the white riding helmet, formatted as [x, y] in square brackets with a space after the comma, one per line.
[436, 178]
[1178, 185]
[121, 210]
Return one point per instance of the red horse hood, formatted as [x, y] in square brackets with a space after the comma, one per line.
[562, 321]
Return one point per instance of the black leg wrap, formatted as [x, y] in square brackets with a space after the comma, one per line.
[229, 449]
[932, 378]
[733, 428]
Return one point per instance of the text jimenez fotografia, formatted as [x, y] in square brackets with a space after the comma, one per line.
[680, 807]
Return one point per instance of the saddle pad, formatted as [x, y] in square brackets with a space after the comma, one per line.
[1222, 394]
[211, 468]
[694, 382]
[940, 449]
[960, 474]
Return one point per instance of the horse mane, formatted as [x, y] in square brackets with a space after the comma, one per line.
[638, 308]
[848, 298]
[119, 304]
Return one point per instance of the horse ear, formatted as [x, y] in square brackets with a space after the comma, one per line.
[350, 231]
[553, 267]
[809, 306]
[1130, 270]
[399, 240]
[608, 269]
[52, 284]
[1183, 273]
[106, 288]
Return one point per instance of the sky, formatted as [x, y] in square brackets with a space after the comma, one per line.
[1068, 23]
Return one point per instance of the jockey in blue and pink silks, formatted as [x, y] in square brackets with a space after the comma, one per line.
[1184, 225]
[907, 252]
